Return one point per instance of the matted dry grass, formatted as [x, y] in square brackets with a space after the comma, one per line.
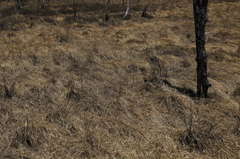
[117, 89]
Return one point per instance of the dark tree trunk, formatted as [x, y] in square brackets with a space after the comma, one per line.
[200, 19]
[43, 4]
[75, 12]
[144, 10]
[106, 11]
[20, 4]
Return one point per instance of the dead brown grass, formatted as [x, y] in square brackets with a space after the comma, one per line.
[117, 89]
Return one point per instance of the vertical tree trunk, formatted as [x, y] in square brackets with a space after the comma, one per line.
[43, 4]
[144, 10]
[200, 19]
[20, 4]
[14, 7]
[75, 12]
[106, 11]
[128, 6]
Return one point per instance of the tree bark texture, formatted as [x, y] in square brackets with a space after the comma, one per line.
[200, 19]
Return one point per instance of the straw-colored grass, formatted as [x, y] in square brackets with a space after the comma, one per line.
[119, 89]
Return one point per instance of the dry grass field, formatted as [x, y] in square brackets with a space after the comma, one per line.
[117, 89]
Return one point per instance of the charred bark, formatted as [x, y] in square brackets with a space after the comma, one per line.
[200, 19]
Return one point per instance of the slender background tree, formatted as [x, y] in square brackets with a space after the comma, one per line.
[75, 12]
[128, 7]
[43, 4]
[20, 4]
[106, 11]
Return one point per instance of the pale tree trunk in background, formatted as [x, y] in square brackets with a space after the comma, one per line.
[128, 6]
[200, 19]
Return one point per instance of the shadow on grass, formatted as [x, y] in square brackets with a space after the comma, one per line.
[148, 16]
[186, 91]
